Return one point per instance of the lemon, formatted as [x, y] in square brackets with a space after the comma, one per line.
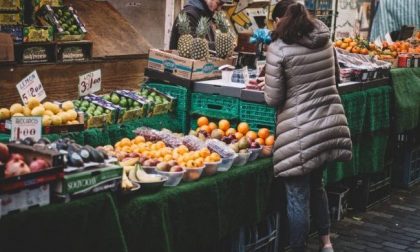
[48, 112]
[4, 114]
[26, 111]
[46, 120]
[33, 102]
[56, 120]
[68, 105]
[38, 111]
[72, 115]
[16, 108]
[17, 114]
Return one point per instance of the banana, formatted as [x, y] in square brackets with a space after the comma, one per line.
[127, 169]
[126, 183]
[132, 174]
[142, 176]
[129, 162]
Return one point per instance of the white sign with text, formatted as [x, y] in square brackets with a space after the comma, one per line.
[26, 126]
[90, 83]
[31, 86]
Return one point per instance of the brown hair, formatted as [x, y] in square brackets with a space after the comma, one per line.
[295, 24]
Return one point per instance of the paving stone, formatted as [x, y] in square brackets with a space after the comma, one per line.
[394, 245]
[413, 250]
[401, 237]
[404, 208]
[412, 230]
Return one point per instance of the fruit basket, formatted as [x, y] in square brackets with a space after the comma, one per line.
[132, 105]
[160, 102]
[66, 23]
[193, 174]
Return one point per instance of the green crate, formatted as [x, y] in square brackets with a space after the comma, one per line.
[257, 113]
[256, 125]
[182, 94]
[215, 106]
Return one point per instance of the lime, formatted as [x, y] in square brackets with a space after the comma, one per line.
[115, 99]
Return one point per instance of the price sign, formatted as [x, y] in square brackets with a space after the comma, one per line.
[31, 86]
[90, 83]
[26, 126]
[245, 73]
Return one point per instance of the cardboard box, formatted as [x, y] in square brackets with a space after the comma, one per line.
[89, 181]
[8, 5]
[24, 199]
[37, 34]
[171, 62]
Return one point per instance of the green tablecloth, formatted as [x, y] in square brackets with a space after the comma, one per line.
[195, 215]
[406, 83]
[88, 224]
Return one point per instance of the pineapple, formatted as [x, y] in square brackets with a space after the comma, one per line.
[200, 46]
[185, 40]
[224, 40]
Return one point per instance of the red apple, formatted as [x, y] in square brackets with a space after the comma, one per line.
[4, 153]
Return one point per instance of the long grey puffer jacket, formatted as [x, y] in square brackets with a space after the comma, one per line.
[311, 127]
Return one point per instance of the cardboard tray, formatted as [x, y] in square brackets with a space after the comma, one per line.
[89, 181]
[37, 178]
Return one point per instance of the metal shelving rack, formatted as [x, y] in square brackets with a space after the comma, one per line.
[324, 10]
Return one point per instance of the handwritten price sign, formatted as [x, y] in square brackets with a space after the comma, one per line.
[26, 126]
[31, 86]
[90, 83]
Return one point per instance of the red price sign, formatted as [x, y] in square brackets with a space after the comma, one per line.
[31, 86]
[90, 83]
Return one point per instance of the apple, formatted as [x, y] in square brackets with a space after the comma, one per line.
[176, 168]
[4, 153]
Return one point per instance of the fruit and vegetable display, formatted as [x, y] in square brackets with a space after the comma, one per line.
[53, 114]
[37, 34]
[66, 23]
[385, 51]
[11, 5]
[239, 139]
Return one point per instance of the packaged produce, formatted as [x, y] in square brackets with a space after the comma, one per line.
[148, 133]
[11, 18]
[11, 5]
[35, 54]
[66, 23]
[160, 103]
[132, 105]
[219, 147]
[193, 142]
[37, 34]
[98, 111]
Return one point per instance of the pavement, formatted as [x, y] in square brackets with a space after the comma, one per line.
[393, 225]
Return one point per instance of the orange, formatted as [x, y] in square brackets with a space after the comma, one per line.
[348, 40]
[230, 131]
[206, 128]
[338, 43]
[260, 141]
[160, 144]
[139, 139]
[344, 45]
[269, 140]
[212, 126]
[125, 142]
[215, 156]
[263, 133]
[202, 121]
[243, 128]
[205, 152]
[353, 44]
[252, 135]
[224, 125]
[238, 135]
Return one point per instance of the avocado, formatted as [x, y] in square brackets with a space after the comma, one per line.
[74, 159]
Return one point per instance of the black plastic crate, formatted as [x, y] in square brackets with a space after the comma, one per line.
[367, 191]
[258, 238]
[406, 170]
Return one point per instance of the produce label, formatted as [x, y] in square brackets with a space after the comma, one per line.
[90, 83]
[245, 74]
[26, 126]
[31, 86]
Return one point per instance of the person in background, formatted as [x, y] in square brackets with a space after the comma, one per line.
[196, 9]
[311, 125]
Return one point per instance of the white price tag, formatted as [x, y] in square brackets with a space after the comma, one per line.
[245, 73]
[90, 83]
[31, 86]
[26, 126]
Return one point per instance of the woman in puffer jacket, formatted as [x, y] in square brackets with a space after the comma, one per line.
[311, 127]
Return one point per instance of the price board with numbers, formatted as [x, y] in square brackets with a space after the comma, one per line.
[31, 86]
[90, 83]
[26, 126]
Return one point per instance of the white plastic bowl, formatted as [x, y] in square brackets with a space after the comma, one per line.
[227, 163]
[254, 153]
[173, 177]
[192, 174]
[211, 168]
[242, 158]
